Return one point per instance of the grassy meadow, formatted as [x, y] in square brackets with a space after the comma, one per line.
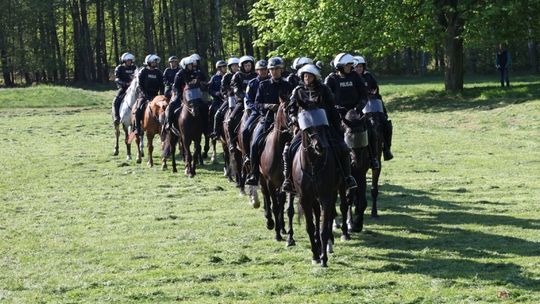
[459, 207]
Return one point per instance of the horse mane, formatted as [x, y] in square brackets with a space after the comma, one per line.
[130, 98]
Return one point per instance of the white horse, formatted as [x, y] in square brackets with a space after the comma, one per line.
[126, 116]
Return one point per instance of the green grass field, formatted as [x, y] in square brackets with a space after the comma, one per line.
[460, 213]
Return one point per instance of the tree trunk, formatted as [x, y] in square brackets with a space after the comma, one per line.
[86, 46]
[148, 12]
[122, 20]
[168, 28]
[114, 37]
[453, 48]
[101, 50]
[533, 63]
[8, 81]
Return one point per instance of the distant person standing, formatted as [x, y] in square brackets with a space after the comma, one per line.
[502, 62]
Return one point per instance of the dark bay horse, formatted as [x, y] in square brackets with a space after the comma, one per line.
[271, 177]
[317, 180]
[360, 130]
[191, 129]
[233, 159]
[153, 120]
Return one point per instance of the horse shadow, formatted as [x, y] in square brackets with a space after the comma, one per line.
[481, 97]
[440, 245]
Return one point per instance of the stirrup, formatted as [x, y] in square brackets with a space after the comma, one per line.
[387, 154]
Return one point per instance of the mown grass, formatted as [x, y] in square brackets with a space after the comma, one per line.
[459, 212]
[48, 96]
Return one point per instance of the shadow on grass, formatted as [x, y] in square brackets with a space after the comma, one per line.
[441, 246]
[481, 97]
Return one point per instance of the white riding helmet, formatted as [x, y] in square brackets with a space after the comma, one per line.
[127, 56]
[186, 61]
[195, 57]
[233, 60]
[358, 60]
[300, 62]
[343, 59]
[151, 58]
[311, 69]
[246, 59]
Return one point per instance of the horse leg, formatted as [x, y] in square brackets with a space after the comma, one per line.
[198, 159]
[282, 197]
[213, 158]
[128, 145]
[375, 191]
[267, 208]
[277, 209]
[141, 144]
[150, 138]
[117, 136]
[188, 157]
[360, 202]
[138, 141]
[310, 229]
[290, 215]
[206, 146]
[173, 152]
[325, 223]
[344, 208]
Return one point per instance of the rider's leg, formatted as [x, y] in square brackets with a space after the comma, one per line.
[218, 120]
[116, 104]
[288, 155]
[246, 138]
[253, 178]
[141, 103]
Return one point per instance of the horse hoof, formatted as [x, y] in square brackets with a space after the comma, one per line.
[128, 157]
[279, 238]
[149, 165]
[291, 242]
[345, 237]
[315, 261]
[242, 192]
[374, 215]
[283, 231]
[139, 161]
[324, 264]
[270, 225]
[174, 171]
[115, 152]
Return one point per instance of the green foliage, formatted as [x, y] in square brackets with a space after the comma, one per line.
[459, 222]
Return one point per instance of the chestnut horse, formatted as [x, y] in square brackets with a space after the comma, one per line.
[317, 181]
[271, 177]
[190, 125]
[152, 124]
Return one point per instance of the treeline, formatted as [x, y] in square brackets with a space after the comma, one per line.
[81, 40]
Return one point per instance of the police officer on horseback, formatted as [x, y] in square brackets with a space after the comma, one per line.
[239, 84]
[150, 85]
[298, 63]
[226, 93]
[214, 86]
[373, 93]
[123, 73]
[168, 75]
[267, 101]
[311, 94]
[261, 68]
[349, 91]
[187, 75]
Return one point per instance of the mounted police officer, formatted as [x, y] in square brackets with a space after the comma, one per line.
[239, 84]
[298, 63]
[226, 93]
[202, 84]
[123, 73]
[349, 91]
[261, 68]
[214, 86]
[168, 75]
[186, 75]
[311, 94]
[267, 101]
[373, 93]
[150, 85]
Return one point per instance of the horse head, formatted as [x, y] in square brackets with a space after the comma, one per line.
[158, 106]
[193, 107]
[315, 140]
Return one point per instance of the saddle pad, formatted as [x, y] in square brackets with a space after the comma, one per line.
[193, 94]
[355, 140]
[312, 118]
[373, 105]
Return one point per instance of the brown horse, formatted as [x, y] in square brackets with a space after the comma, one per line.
[191, 129]
[271, 169]
[153, 120]
[317, 182]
